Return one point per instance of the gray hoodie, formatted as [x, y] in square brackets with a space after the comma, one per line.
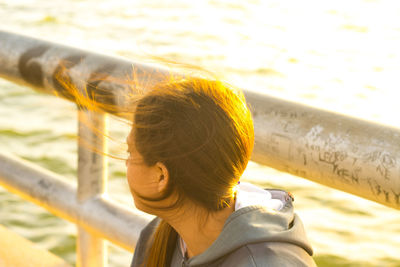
[263, 231]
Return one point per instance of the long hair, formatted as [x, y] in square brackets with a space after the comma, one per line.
[202, 131]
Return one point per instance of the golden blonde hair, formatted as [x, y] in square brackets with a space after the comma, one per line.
[202, 131]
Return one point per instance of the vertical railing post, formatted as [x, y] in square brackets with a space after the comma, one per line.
[92, 179]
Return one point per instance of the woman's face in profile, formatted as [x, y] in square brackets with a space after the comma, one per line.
[142, 179]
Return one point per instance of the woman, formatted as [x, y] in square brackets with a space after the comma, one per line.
[190, 143]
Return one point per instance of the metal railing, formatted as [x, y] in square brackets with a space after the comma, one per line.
[97, 216]
[352, 155]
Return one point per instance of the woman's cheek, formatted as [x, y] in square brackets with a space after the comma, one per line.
[130, 176]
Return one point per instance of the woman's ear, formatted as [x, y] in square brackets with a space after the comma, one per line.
[163, 177]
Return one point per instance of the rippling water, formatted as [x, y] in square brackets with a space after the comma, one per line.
[337, 55]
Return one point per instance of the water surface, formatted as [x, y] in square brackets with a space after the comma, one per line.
[337, 55]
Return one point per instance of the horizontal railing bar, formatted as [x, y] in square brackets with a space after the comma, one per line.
[100, 215]
[352, 155]
[42, 65]
[349, 154]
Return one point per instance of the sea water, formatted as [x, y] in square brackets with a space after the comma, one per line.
[337, 55]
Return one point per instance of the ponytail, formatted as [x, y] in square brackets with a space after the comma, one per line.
[162, 249]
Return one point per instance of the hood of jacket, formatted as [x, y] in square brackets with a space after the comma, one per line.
[260, 216]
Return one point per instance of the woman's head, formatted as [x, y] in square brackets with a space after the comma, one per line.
[191, 139]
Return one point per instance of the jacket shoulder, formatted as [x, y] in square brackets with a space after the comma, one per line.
[269, 254]
[143, 242]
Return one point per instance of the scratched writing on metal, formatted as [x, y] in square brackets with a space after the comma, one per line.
[336, 160]
[384, 162]
[378, 191]
[313, 147]
[286, 114]
[301, 153]
[396, 197]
